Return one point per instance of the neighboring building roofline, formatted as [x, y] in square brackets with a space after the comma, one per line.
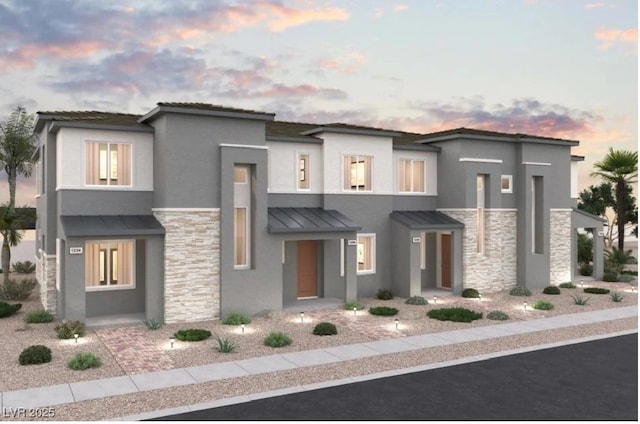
[311, 140]
[577, 158]
[417, 147]
[55, 126]
[204, 109]
[470, 133]
[333, 128]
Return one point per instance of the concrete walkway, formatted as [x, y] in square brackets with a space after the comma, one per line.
[80, 391]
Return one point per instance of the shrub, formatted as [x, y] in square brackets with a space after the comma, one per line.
[325, 329]
[192, 335]
[152, 324]
[497, 316]
[225, 345]
[596, 290]
[454, 314]
[579, 300]
[353, 304]
[37, 354]
[551, 290]
[520, 291]
[542, 305]
[235, 318]
[616, 297]
[384, 294]
[66, 330]
[17, 290]
[8, 309]
[416, 300]
[624, 278]
[610, 277]
[471, 293]
[586, 269]
[383, 311]
[84, 361]
[26, 267]
[277, 339]
[567, 285]
[38, 316]
[628, 272]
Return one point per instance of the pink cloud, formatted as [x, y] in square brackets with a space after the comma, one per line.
[345, 64]
[24, 57]
[610, 37]
[287, 17]
[377, 12]
[599, 5]
[400, 7]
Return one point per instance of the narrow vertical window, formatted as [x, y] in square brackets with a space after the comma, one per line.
[342, 257]
[242, 216]
[537, 215]
[480, 205]
[303, 172]
[366, 253]
[423, 250]
[240, 236]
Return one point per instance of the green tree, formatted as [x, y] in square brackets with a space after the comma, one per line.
[11, 236]
[619, 167]
[17, 144]
[596, 200]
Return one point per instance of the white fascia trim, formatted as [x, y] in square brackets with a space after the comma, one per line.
[561, 209]
[244, 146]
[107, 188]
[185, 209]
[537, 163]
[480, 160]
[475, 209]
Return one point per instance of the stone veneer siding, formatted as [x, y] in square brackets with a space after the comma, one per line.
[191, 264]
[46, 276]
[560, 246]
[494, 269]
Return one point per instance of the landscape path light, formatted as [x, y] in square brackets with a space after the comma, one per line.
[480, 297]
[354, 311]
[396, 321]
[524, 304]
[75, 336]
[435, 299]
[581, 284]
[172, 340]
[242, 326]
[301, 316]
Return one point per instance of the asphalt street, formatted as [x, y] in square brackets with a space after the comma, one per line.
[595, 380]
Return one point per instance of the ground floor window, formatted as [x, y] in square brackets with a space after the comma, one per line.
[366, 254]
[109, 264]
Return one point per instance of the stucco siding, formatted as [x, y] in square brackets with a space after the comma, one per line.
[560, 248]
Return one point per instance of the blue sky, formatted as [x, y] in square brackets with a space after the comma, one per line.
[556, 68]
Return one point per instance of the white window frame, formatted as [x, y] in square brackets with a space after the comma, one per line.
[242, 200]
[423, 250]
[114, 287]
[481, 186]
[372, 268]
[342, 257]
[307, 158]
[510, 179]
[109, 186]
[411, 163]
[347, 175]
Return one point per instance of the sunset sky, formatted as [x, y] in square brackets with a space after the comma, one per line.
[560, 68]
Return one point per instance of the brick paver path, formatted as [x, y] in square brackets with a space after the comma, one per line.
[133, 351]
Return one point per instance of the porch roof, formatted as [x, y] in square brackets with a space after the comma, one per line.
[110, 225]
[313, 220]
[426, 220]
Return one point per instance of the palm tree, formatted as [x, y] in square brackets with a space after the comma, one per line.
[17, 144]
[11, 236]
[619, 167]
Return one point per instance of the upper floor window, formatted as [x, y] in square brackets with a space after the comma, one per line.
[303, 172]
[506, 184]
[411, 176]
[108, 164]
[109, 264]
[357, 173]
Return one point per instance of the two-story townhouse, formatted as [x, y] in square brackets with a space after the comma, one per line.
[194, 210]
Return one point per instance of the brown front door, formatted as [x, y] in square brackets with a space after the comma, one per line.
[307, 271]
[445, 255]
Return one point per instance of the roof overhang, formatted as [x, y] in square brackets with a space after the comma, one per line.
[111, 225]
[426, 220]
[310, 140]
[161, 109]
[510, 138]
[308, 220]
[354, 131]
[417, 147]
[577, 158]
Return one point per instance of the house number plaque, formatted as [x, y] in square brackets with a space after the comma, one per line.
[75, 250]
[352, 242]
[416, 239]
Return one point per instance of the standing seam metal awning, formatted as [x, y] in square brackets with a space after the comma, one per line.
[110, 225]
[426, 220]
[313, 220]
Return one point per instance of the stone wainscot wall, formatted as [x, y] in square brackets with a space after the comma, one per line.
[560, 246]
[46, 276]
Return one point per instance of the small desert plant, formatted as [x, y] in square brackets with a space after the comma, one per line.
[520, 291]
[152, 324]
[579, 300]
[586, 269]
[616, 297]
[416, 300]
[84, 361]
[235, 318]
[596, 290]
[383, 310]
[610, 277]
[551, 290]
[17, 290]
[8, 309]
[384, 294]
[225, 345]
[454, 314]
[66, 330]
[37, 354]
[348, 306]
[38, 316]
[325, 329]
[471, 293]
[26, 267]
[628, 272]
[542, 305]
[624, 278]
[497, 316]
[567, 285]
[192, 335]
[277, 339]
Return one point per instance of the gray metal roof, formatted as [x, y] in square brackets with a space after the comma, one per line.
[426, 220]
[313, 220]
[110, 225]
[588, 215]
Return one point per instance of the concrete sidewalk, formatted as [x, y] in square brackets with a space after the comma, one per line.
[95, 389]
